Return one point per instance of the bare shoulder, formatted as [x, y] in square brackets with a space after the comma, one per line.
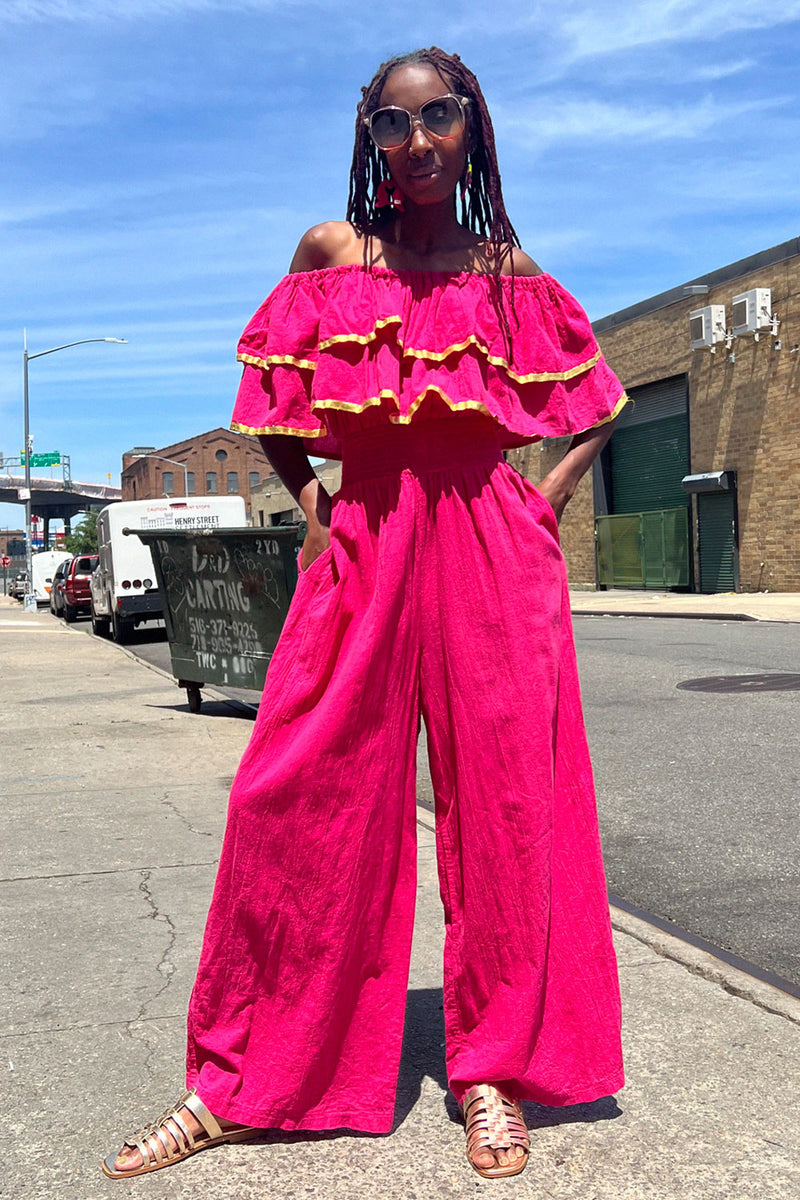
[326, 245]
[523, 263]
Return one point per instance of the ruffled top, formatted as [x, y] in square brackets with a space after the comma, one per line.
[349, 339]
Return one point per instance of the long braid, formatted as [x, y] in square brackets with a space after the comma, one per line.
[482, 207]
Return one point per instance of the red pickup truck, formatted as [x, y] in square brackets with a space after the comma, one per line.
[75, 587]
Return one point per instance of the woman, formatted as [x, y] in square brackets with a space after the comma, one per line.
[416, 346]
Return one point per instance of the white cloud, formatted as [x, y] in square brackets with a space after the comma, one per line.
[562, 121]
[89, 11]
[595, 29]
[712, 72]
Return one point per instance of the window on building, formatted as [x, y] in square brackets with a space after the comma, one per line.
[211, 482]
[168, 482]
[233, 481]
[261, 517]
[190, 482]
[221, 455]
[253, 480]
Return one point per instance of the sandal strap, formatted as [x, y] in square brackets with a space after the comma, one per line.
[493, 1121]
[169, 1137]
[192, 1101]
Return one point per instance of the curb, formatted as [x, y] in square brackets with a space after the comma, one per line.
[707, 966]
[689, 616]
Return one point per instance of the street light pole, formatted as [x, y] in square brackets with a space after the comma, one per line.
[175, 463]
[26, 358]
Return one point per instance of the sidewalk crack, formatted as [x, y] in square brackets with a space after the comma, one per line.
[185, 820]
[165, 966]
[165, 969]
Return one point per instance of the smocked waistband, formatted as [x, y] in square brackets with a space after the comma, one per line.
[420, 447]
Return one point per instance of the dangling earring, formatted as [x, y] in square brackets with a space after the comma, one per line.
[389, 195]
[466, 179]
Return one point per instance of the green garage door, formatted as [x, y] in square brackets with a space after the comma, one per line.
[716, 541]
[648, 462]
[649, 450]
[647, 458]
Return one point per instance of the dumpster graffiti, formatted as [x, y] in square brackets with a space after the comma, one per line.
[226, 596]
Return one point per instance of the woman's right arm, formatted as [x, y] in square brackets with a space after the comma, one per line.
[288, 459]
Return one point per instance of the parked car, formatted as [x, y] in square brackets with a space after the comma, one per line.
[19, 585]
[57, 589]
[75, 587]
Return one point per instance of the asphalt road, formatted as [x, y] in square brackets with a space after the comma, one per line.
[694, 728]
[698, 775]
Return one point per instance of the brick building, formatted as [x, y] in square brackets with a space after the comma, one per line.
[698, 487]
[12, 543]
[219, 462]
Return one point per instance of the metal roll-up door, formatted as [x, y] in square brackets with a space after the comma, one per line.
[649, 449]
[648, 462]
[716, 541]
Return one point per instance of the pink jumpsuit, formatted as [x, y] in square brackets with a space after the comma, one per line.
[442, 597]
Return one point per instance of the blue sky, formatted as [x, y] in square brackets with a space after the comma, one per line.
[162, 158]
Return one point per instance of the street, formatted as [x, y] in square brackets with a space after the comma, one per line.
[698, 789]
[697, 778]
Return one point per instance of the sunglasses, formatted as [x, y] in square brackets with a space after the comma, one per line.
[442, 117]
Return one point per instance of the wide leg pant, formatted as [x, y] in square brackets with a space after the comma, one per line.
[442, 595]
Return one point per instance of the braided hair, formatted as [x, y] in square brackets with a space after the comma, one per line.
[482, 208]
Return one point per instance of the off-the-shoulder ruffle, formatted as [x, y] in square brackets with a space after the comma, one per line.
[348, 338]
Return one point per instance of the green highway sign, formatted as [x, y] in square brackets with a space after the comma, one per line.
[43, 460]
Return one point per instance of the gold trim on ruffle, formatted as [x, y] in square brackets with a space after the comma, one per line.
[362, 338]
[405, 418]
[289, 430]
[453, 405]
[354, 407]
[533, 377]
[618, 407]
[428, 355]
[399, 418]
[277, 360]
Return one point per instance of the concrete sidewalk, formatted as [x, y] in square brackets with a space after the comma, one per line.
[114, 809]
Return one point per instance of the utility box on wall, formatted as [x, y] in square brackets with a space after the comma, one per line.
[707, 326]
[752, 311]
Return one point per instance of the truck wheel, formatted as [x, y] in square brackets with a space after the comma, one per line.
[70, 612]
[121, 628]
[194, 696]
[99, 625]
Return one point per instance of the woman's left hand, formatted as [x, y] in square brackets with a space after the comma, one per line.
[558, 487]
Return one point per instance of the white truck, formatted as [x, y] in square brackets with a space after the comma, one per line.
[124, 591]
[43, 568]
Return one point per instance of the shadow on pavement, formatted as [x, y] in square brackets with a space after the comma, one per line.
[210, 708]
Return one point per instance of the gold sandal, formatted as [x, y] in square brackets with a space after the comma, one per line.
[494, 1123]
[169, 1139]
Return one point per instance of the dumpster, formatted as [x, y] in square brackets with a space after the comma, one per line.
[226, 593]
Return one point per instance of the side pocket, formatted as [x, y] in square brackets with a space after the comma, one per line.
[536, 502]
[318, 562]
